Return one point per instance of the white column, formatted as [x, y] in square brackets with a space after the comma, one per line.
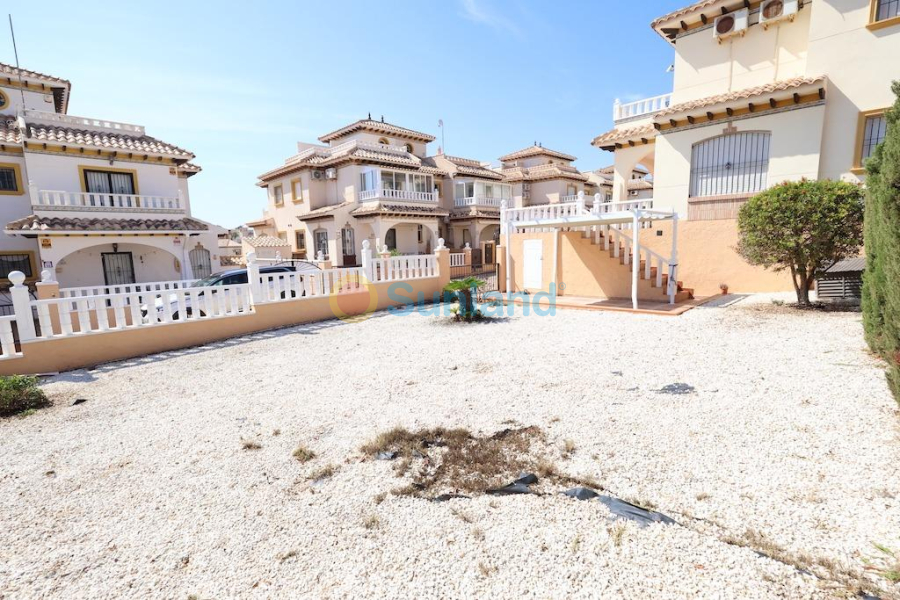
[256, 296]
[556, 235]
[367, 260]
[22, 306]
[672, 287]
[505, 227]
[635, 259]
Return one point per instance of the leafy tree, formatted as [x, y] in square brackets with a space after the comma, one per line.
[881, 281]
[464, 289]
[803, 226]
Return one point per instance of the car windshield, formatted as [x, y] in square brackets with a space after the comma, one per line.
[207, 281]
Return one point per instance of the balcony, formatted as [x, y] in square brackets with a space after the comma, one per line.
[398, 196]
[640, 108]
[485, 201]
[84, 122]
[102, 202]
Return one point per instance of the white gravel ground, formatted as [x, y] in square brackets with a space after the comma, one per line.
[145, 490]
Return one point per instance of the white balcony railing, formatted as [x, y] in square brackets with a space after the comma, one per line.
[640, 108]
[93, 201]
[84, 122]
[395, 195]
[477, 201]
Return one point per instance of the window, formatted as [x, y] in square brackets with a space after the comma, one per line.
[421, 183]
[393, 181]
[278, 194]
[300, 240]
[884, 13]
[16, 261]
[409, 147]
[296, 191]
[384, 141]
[390, 239]
[419, 233]
[109, 182]
[4, 100]
[571, 190]
[871, 130]
[367, 181]
[321, 238]
[736, 163]
[10, 179]
[465, 189]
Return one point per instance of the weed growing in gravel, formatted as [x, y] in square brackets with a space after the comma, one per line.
[576, 544]
[372, 522]
[478, 534]
[20, 393]
[486, 570]
[379, 498]
[322, 473]
[702, 496]
[276, 432]
[617, 533]
[250, 445]
[568, 448]
[461, 515]
[455, 459]
[303, 454]
[287, 555]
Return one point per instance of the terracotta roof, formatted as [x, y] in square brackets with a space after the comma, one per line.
[377, 127]
[228, 243]
[191, 167]
[611, 169]
[58, 86]
[639, 184]
[399, 209]
[325, 211]
[99, 139]
[535, 151]
[264, 241]
[541, 172]
[36, 224]
[465, 166]
[623, 135]
[264, 222]
[760, 90]
[683, 11]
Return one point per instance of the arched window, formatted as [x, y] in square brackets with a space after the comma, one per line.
[384, 141]
[734, 163]
[409, 148]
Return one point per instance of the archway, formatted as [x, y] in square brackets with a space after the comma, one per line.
[118, 262]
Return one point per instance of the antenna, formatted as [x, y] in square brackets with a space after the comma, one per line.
[12, 32]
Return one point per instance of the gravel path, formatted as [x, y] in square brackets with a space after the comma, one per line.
[790, 444]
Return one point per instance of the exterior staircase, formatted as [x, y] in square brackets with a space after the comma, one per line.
[653, 268]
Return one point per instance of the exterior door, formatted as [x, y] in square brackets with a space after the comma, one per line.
[533, 264]
[201, 264]
[348, 246]
[118, 268]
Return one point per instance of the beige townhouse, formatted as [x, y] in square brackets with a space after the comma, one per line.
[763, 92]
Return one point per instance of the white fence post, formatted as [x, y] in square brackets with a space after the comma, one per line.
[367, 260]
[256, 296]
[22, 306]
[579, 204]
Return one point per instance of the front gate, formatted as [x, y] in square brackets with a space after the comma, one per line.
[200, 262]
[118, 268]
[488, 273]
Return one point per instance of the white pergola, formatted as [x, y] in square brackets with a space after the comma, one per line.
[575, 216]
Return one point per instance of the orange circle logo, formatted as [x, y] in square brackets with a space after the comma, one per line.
[352, 297]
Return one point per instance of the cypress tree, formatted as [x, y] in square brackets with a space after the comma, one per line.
[881, 281]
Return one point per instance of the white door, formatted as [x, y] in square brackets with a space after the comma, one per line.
[533, 267]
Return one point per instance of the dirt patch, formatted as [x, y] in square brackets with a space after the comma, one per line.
[454, 460]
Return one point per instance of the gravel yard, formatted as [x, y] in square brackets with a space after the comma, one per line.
[176, 479]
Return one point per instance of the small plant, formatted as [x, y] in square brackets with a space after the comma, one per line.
[250, 445]
[478, 533]
[322, 473]
[287, 555]
[724, 288]
[617, 532]
[372, 522]
[465, 291]
[20, 393]
[303, 454]
[568, 448]
[702, 496]
[576, 544]
[485, 570]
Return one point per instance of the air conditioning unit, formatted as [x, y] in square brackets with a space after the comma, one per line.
[330, 173]
[774, 11]
[317, 174]
[732, 24]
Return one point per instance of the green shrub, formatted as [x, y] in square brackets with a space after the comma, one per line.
[19, 393]
[881, 281]
[803, 226]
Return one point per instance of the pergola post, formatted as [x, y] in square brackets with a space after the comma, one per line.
[673, 260]
[505, 227]
[635, 258]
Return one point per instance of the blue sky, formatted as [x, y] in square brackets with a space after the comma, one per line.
[240, 83]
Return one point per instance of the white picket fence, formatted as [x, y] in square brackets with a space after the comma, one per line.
[458, 259]
[112, 312]
[100, 309]
[7, 340]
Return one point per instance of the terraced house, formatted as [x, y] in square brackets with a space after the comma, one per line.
[94, 202]
[373, 180]
[763, 92]
[543, 176]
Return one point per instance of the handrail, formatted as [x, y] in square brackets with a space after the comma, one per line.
[99, 200]
[638, 108]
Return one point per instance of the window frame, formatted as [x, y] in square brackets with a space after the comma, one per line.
[83, 171]
[762, 174]
[275, 199]
[299, 240]
[32, 261]
[296, 190]
[858, 168]
[874, 24]
[7, 103]
[17, 179]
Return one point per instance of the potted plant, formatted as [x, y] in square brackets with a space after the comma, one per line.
[724, 288]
